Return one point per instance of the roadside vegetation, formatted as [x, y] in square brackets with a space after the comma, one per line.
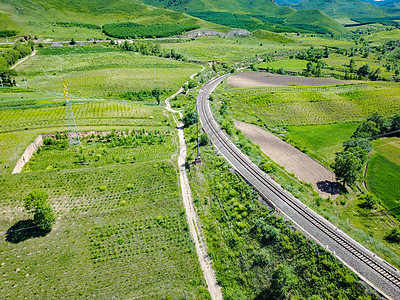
[109, 214]
[256, 254]
[368, 224]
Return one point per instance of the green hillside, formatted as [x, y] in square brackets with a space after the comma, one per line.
[343, 8]
[234, 6]
[317, 18]
[83, 19]
[253, 15]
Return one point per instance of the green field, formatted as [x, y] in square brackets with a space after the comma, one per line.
[321, 141]
[101, 71]
[278, 106]
[383, 179]
[388, 147]
[119, 214]
[295, 65]
[240, 48]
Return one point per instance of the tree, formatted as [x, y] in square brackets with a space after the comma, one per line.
[282, 281]
[395, 123]
[72, 42]
[7, 77]
[394, 236]
[364, 70]
[352, 65]
[362, 143]
[156, 93]
[204, 139]
[369, 200]
[43, 215]
[189, 117]
[366, 129]
[326, 53]
[348, 164]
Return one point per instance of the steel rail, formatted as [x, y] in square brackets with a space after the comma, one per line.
[293, 209]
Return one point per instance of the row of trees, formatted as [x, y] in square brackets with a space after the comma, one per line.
[133, 30]
[9, 58]
[153, 49]
[349, 163]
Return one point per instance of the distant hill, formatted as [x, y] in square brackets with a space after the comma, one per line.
[315, 17]
[390, 3]
[85, 18]
[384, 3]
[287, 2]
[255, 14]
[234, 6]
[343, 8]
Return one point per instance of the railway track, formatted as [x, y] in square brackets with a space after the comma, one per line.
[375, 271]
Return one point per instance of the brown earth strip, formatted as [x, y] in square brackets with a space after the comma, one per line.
[247, 79]
[293, 160]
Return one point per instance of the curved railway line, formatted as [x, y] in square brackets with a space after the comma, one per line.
[372, 269]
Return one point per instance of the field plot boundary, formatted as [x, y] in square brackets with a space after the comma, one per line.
[254, 79]
[293, 160]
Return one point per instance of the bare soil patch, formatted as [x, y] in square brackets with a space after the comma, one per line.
[293, 160]
[247, 79]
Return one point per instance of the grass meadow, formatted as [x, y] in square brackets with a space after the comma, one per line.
[102, 71]
[383, 179]
[320, 141]
[383, 173]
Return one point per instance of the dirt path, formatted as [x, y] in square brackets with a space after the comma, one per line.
[22, 60]
[251, 79]
[192, 219]
[304, 167]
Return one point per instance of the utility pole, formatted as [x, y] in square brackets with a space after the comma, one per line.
[73, 135]
[197, 160]
[26, 86]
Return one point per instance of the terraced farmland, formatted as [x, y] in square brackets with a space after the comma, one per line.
[122, 218]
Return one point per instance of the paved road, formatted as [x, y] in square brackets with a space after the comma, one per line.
[372, 269]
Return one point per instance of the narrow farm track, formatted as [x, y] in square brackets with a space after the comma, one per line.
[192, 219]
[23, 59]
[372, 269]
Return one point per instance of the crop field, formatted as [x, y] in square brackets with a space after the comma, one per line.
[320, 141]
[388, 147]
[276, 106]
[240, 48]
[102, 71]
[383, 179]
[296, 65]
[86, 114]
[121, 229]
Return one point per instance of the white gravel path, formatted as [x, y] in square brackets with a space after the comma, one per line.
[192, 218]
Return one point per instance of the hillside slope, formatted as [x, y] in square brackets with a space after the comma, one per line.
[256, 14]
[234, 6]
[343, 8]
[83, 19]
[315, 17]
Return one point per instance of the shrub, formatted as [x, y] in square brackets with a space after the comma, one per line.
[36, 202]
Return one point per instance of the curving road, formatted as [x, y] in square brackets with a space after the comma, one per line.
[372, 269]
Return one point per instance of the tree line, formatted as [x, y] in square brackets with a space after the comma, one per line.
[349, 163]
[132, 30]
[9, 58]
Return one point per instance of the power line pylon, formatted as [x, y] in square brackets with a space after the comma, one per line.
[73, 135]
